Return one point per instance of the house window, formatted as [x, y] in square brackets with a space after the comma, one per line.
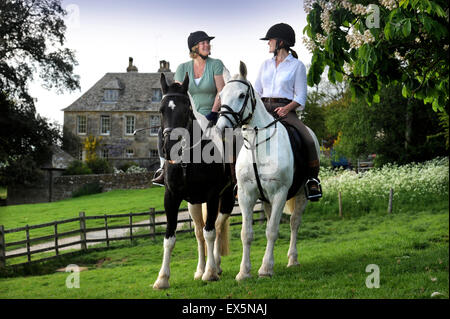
[105, 124]
[155, 122]
[129, 153]
[157, 95]
[154, 153]
[105, 153]
[81, 124]
[130, 125]
[111, 95]
[80, 154]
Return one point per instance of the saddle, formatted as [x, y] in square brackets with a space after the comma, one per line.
[300, 167]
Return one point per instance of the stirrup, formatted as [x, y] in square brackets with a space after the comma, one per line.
[158, 180]
[316, 195]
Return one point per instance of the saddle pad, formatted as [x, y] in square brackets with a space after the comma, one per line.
[300, 167]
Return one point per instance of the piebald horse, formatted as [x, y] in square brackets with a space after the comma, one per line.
[269, 147]
[196, 183]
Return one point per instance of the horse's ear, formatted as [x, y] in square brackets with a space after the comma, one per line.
[185, 84]
[243, 70]
[226, 74]
[164, 85]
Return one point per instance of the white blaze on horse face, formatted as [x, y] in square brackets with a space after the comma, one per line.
[172, 104]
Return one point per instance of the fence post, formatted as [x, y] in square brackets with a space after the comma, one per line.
[27, 231]
[152, 223]
[2, 247]
[131, 227]
[56, 239]
[83, 231]
[340, 204]
[106, 229]
[391, 198]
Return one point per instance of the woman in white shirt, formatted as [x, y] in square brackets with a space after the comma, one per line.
[281, 83]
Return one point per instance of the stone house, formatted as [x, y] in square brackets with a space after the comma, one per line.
[116, 106]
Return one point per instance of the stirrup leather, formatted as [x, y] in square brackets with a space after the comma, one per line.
[313, 196]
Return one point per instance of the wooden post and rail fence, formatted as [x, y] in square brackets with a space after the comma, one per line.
[83, 232]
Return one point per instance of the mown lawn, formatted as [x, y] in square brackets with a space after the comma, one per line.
[410, 249]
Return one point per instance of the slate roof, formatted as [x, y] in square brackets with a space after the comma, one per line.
[135, 93]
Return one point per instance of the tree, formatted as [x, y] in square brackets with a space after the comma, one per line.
[370, 46]
[31, 38]
[25, 143]
[365, 129]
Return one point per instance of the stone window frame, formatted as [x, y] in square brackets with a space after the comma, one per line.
[154, 131]
[153, 153]
[156, 98]
[127, 153]
[111, 95]
[101, 124]
[79, 116]
[105, 152]
[126, 116]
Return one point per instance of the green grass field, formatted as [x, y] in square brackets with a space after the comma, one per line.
[409, 246]
[411, 251]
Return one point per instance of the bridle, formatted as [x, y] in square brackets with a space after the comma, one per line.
[168, 130]
[239, 116]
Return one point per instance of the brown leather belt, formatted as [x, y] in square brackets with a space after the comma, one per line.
[276, 100]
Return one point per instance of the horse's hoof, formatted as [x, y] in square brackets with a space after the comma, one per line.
[161, 283]
[241, 276]
[219, 271]
[293, 263]
[265, 272]
[210, 275]
[198, 275]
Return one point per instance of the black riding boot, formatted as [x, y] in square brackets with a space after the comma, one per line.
[158, 178]
[313, 189]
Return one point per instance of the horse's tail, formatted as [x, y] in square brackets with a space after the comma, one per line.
[224, 231]
[289, 206]
[225, 238]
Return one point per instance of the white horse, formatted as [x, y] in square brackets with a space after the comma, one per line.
[242, 108]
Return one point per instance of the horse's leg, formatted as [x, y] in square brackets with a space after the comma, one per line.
[209, 232]
[296, 219]
[278, 201]
[196, 214]
[246, 204]
[171, 205]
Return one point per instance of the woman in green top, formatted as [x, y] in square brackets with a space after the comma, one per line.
[205, 83]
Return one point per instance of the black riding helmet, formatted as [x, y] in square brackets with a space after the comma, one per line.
[196, 37]
[281, 31]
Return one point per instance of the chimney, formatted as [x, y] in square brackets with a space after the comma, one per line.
[164, 66]
[131, 67]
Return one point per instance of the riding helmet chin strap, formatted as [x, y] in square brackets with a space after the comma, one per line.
[204, 57]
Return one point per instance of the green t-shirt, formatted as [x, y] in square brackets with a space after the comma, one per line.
[205, 92]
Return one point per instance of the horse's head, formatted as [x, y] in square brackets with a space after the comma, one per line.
[175, 109]
[238, 101]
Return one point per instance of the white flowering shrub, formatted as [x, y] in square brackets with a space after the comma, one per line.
[416, 183]
[136, 169]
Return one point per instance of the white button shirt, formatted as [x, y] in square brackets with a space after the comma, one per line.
[288, 80]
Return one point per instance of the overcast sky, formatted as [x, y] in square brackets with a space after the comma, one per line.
[105, 33]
